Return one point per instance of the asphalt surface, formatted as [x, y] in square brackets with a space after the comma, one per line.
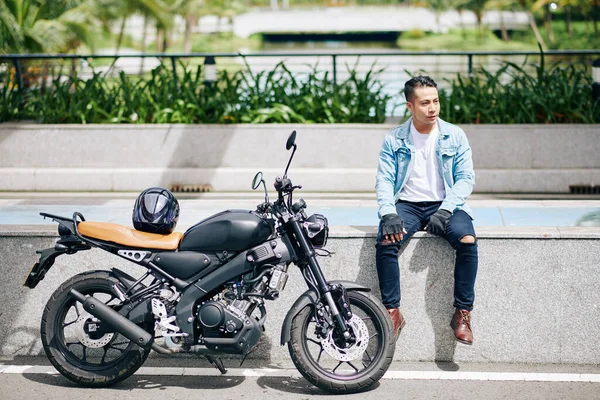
[403, 381]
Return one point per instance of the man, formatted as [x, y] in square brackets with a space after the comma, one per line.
[424, 177]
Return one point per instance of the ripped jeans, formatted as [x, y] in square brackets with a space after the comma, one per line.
[415, 217]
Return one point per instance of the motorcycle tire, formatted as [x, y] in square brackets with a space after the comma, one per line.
[312, 354]
[79, 346]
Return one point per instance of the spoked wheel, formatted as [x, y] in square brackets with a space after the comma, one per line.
[324, 359]
[81, 347]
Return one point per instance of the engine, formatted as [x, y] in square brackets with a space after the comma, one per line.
[227, 327]
[217, 318]
[226, 322]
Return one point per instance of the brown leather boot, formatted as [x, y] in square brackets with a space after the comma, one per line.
[397, 319]
[461, 323]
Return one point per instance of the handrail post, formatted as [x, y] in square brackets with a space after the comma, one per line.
[334, 60]
[17, 64]
[470, 56]
[174, 65]
[596, 82]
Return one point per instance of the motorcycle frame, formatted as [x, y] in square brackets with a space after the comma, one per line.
[286, 245]
[195, 288]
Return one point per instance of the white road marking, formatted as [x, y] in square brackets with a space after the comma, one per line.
[292, 373]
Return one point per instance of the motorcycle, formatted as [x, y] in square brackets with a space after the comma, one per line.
[204, 292]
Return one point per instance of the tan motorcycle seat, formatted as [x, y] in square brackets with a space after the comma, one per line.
[125, 236]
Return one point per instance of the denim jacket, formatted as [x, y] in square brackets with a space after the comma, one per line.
[396, 161]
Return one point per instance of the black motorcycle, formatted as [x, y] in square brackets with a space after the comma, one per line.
[204, 292]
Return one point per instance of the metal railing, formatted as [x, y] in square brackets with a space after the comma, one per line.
[394, 67]
[468, 60]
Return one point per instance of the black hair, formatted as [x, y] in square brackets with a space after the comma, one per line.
[417, 82]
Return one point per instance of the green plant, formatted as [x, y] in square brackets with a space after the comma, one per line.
[512, 95]
[414, 33]
[163, 97]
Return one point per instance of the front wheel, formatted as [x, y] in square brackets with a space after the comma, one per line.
[81, 347]
[326, 363]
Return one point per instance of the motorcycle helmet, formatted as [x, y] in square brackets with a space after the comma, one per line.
[156, 210]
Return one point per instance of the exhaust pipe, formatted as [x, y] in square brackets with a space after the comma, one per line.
[118, 322]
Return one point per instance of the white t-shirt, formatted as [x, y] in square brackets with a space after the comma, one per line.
[424, 182]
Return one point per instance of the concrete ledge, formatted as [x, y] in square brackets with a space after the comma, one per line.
[537, 293]
[507, 158]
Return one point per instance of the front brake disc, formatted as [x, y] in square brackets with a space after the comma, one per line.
[355, 351]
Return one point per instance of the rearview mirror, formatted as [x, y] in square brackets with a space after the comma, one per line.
[257, 180]
[291, 141]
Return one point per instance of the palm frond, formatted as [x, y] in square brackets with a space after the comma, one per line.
[11, 27]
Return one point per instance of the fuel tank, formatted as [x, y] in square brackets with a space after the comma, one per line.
[231, 230]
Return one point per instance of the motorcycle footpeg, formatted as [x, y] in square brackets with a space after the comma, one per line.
[218, 363]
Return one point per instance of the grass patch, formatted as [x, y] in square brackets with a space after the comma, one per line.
[583, 37]
[455, 39]
[222, 42]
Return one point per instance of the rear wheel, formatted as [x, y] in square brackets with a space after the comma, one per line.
[323, 359]
[81, 347]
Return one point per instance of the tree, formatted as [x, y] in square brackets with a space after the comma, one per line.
[47, 26]
[589, 8]
[191, 10]
[526, 6]
[568, 4]
[156, 10]
[231, 8]
[477, 7]
[586, 7]
[545, 4]
[438, 6]
[501, 6]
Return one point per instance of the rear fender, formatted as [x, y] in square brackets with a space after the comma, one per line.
[65, 245]
[69, 243]
[310, 298]
[40, 268]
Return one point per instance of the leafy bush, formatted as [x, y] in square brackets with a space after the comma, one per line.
[414, 33]
[514, 96]
[511, 95]
[275, 96]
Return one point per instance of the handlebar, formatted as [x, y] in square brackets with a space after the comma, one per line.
[263, 207]
[284, 185]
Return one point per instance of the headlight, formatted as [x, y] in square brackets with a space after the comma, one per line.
[317, 229]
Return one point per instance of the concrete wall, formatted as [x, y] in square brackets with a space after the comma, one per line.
[537, 297]
[507, 158]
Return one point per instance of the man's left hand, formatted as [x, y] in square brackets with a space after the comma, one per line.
[439, 222]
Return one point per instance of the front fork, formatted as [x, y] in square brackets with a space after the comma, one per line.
[322, 286]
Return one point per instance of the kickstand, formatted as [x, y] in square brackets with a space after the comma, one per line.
[218, 363]
[244, 359]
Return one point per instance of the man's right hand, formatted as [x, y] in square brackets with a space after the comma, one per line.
[392, 228]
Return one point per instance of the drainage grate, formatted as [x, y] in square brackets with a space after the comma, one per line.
[584, 189]
[178, 188]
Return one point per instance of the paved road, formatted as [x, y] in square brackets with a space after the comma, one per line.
[403, 381]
